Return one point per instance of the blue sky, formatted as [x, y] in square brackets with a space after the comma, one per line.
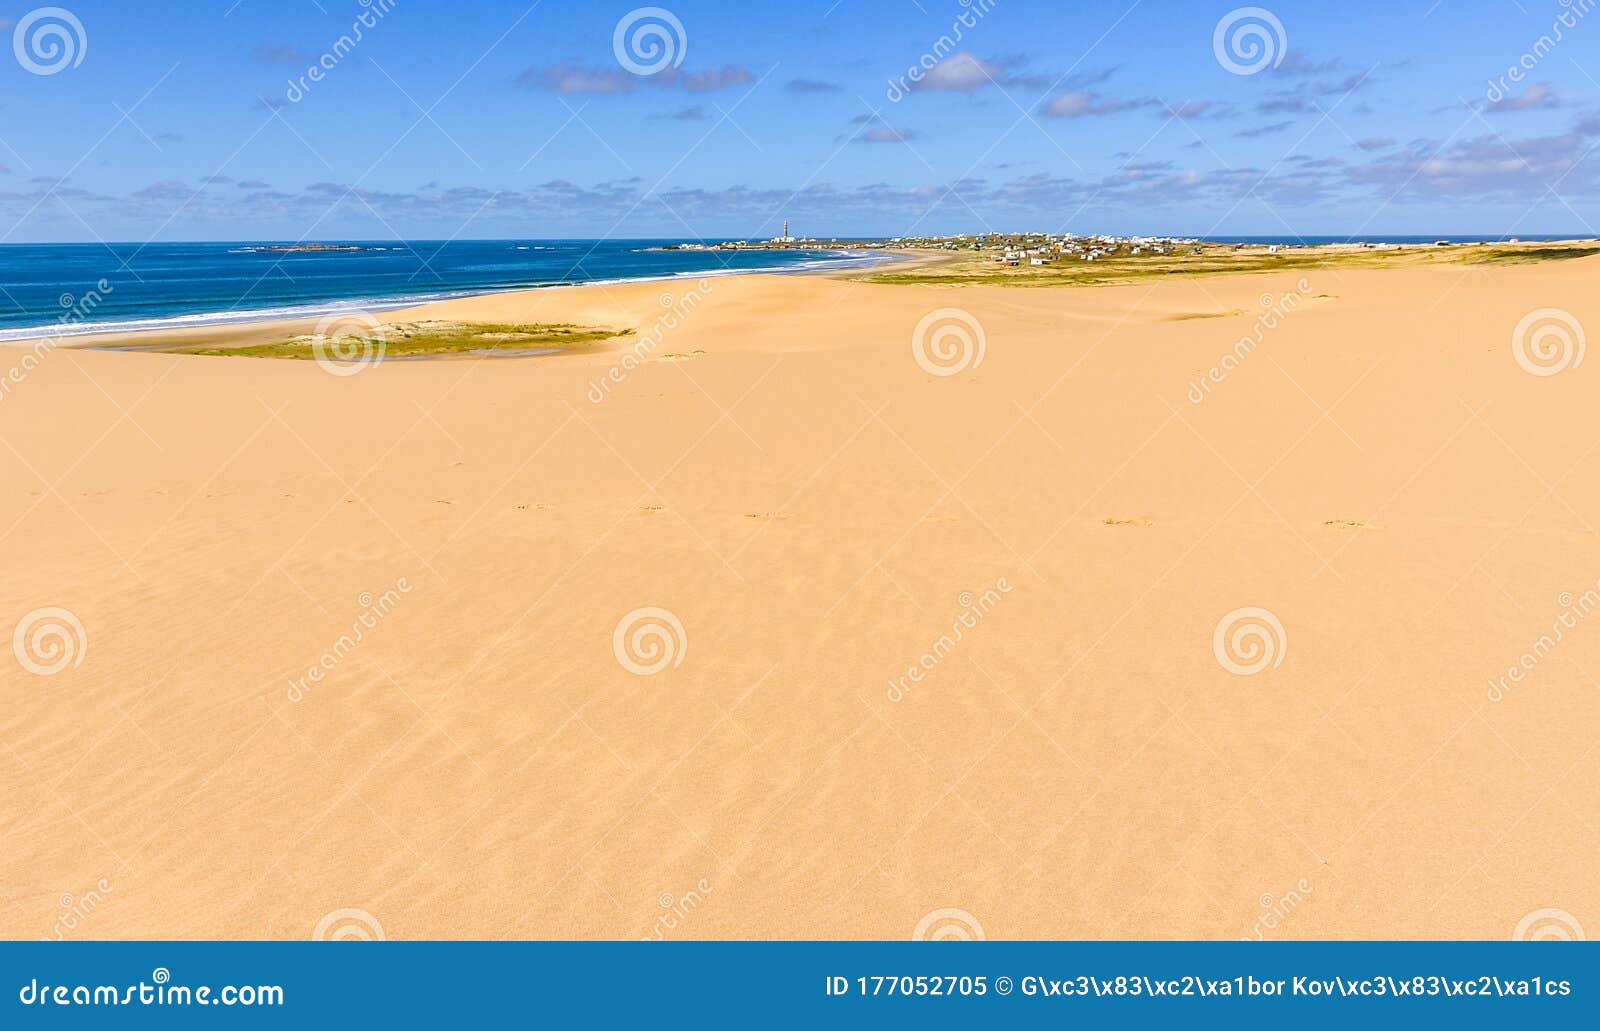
[498, 118]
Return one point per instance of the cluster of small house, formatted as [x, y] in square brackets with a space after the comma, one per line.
[1047, 250]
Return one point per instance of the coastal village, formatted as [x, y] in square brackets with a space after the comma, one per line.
[1007, 249]
[1062, 257]
[1046, 249]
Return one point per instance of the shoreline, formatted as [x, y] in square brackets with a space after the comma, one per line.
[901, 266]
[67, 334]
[842, 262]
[245, 333]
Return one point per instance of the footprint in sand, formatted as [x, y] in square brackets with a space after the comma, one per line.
[1348, 524]
[524, 508]
[443, 501]
[1136, 521]
[767, 517]
[680, 357]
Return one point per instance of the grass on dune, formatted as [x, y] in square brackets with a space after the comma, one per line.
[426, 339]
[1518, 256]
[979, 268]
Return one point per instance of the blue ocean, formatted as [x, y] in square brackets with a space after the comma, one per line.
[159, 285]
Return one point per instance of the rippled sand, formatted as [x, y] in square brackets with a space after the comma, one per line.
[971, 652]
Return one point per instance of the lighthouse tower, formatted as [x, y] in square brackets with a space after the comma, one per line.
[785, 238]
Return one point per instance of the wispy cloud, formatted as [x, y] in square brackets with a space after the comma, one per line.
[1297, 64]
[811, 86]
[885, 134]
[1377, 170]
[281, 53]
[1538, 96]
[873, 129]
[574, 79]
[708, 81]
[1084, 103]
[1302, 99]
[963, 72]
[1259, 131]
[1488, 165]
[163, 192]
[1191, 110]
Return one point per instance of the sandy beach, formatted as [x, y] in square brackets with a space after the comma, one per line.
[1059, 531]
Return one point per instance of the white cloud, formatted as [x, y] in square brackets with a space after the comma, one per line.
[1080, 103]
[961, 73]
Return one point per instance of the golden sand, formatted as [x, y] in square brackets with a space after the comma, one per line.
[821, 515]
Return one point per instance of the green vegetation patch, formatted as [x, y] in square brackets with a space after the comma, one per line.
[1522, 255]
[423, 340]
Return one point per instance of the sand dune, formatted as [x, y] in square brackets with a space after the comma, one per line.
[817, 510]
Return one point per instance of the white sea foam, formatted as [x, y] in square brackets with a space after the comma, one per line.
[58, 330]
